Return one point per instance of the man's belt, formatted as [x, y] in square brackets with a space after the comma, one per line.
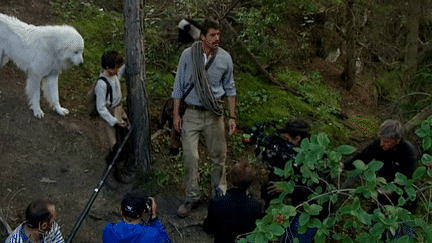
[196, 107]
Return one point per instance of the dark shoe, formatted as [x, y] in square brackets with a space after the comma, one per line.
[185, 209]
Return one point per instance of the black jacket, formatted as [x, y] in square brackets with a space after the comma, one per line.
[402, 158]
[231, 215]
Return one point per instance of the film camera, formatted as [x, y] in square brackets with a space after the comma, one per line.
[273, 149]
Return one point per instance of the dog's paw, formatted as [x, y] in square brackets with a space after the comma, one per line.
[62, 111]
[38, 113]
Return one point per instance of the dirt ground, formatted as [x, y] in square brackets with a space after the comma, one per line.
[58, 158]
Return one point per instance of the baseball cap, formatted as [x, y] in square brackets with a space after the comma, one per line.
[133, 204]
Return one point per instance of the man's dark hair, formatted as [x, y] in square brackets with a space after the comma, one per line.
[209, 24]
[111, 59]
[296, 127]
[37, 213]
[242, 176]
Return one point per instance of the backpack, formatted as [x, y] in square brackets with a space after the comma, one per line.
[91, 97]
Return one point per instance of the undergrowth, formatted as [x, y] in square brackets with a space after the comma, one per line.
[258, 100]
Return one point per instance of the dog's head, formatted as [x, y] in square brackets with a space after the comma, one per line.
[72, 47]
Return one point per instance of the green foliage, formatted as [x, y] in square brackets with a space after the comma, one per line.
[258, 101]
[324, 98]
[315, 156]
[425, 133]
[255, 34]
[389, 85]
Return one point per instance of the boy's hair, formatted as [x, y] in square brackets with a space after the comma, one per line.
[242, 176]
[390, 129]
[111, 59]
[37, 213]
[209, 24]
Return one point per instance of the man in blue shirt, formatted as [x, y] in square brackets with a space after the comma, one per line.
[209, 69]
[132, 229]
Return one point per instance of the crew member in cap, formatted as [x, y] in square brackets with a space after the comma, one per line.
[132, 228]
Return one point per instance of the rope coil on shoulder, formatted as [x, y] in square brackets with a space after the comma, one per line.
[201, 81]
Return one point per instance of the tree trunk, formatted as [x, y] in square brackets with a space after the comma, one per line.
[411, 40]
[138, 108]
[349, 73]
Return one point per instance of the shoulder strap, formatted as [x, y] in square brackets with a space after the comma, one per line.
[209, 62]
[109, 89]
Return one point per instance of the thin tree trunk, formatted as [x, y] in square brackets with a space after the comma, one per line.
[138, 108]
[349, 73]
[411, 40]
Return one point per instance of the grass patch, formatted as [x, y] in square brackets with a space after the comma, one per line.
[101, 31]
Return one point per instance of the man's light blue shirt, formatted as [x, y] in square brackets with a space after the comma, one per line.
[220, 74]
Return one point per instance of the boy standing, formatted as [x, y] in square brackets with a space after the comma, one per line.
[108, 98]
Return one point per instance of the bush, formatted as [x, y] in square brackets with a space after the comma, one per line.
[351, 221]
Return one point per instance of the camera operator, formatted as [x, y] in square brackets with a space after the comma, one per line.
[276, 151]
[132, 228]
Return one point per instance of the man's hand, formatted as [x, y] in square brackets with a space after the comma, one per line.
[121, 123]
[153, 212]
[273, 189]
[232, 126]
[177, 122]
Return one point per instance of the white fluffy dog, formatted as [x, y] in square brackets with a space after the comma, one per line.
[42, 52]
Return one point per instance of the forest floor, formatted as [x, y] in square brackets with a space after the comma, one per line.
[59, 157]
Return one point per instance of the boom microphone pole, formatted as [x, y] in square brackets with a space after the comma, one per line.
[97, 189]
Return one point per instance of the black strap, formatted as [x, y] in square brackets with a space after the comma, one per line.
[109, 89]
[209, 62]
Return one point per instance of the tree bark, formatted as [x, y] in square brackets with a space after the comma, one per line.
[411, 40]
[410, 125]
[349, 73]
[138, 109]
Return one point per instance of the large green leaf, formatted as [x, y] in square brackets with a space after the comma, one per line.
[429, 119]
[288, 211]
[421, 133]
[304, 218]
[370, 175]
[426, 158]
[419, 172]
[323, 139]
[276, 229]
[425, 126]
[346, 149]
[427, 142]
[360, 165]
[375, 165]
[401, 179]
